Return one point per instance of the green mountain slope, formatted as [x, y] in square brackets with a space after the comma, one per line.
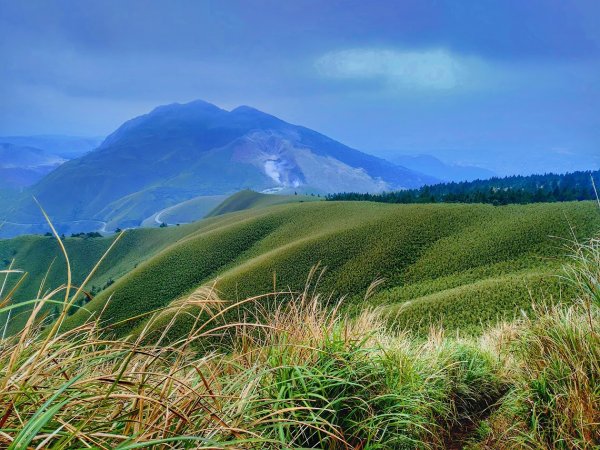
[38, 255]
[249, 199]
[187, 211]
[461, 264]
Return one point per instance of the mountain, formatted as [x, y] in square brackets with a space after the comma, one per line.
[435, 167]
[17, 177]
[521, 159]
[181, 151]
[22, 166]
[66, 147]
[24, 160]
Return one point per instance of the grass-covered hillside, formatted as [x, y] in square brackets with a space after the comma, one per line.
[461, 265]
[249, 199]
[38, 255]
[188, 211]
[305, 375]
[304, 372]
[41, 255]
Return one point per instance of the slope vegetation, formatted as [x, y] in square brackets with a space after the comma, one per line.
[190, 210]
[304, 375]
[40, 257]
[249, 199]
[459, 265]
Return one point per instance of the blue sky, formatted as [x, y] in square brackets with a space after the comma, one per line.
[470, 81]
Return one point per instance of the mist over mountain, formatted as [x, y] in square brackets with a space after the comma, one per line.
[22, 166]
[181, 151]
[12, 155]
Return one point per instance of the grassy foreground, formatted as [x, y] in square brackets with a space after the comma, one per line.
[303, 375]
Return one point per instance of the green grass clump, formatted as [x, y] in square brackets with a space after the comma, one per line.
[375, 396]
[554, 402]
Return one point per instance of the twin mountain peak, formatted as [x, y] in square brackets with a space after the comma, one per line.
[181, 151]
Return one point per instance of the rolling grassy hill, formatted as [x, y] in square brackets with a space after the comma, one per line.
[188, 211]
[39, 254]
[249, 199]
[462, 265]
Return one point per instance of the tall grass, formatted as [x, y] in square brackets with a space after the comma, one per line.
[301, 374]
[554, 402]
[297, 376]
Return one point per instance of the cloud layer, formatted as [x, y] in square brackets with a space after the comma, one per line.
[431, 69]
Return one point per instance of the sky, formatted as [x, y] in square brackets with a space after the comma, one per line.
[473, 82]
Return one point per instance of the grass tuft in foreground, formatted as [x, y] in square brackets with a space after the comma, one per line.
[303, 376]
[555, 398]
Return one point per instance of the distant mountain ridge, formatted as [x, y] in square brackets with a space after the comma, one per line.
[24, 160]
[437, 168]
[22, 166]
[181, 151]
[66, 147]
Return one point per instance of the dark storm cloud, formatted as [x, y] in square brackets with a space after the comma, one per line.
[504, 29]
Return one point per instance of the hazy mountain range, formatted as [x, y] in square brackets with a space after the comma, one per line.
[24, 160]
[182, 157]
[182, 151]
[439, 169]
[518, 159]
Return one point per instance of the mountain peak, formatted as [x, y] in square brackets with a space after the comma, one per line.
[181, 151]
[246, 109]
[253, 118]
[195, 105]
